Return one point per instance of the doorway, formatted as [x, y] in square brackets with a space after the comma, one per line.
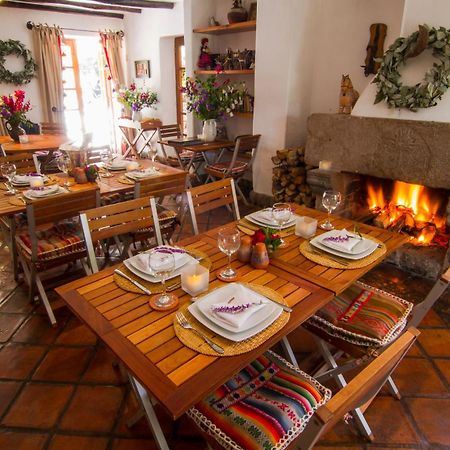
[180, 81]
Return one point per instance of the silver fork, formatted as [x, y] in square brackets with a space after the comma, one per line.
[186, 325]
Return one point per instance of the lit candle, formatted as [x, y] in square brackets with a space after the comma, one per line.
[325, 165]
[195, 279]
[36, 182]
[23, 139]
[305, 227]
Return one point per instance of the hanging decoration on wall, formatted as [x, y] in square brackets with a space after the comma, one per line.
[11, 47]
[348, 95]
[375, 48]
[436, 81]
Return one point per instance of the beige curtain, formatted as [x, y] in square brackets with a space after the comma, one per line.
[112, 48]
[47, 48]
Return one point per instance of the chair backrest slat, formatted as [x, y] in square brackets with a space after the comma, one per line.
[161, 186]
[52, 128]
[172, 130]
[24, 162]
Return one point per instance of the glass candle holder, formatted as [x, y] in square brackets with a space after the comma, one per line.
[195, 279]
[305, 227]
[36, 182]
[23, 139]
[132, 165]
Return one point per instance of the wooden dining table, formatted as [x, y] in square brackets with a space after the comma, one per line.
[144, 340]
[36, 142]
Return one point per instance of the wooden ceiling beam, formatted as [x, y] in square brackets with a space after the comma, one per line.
[139, 3]
[94, 6]
[61, 9]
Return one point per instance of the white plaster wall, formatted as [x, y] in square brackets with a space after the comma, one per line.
[150, 35]
[13, 26]
[434, 13]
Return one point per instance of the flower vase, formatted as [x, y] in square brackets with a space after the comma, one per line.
[260, 257]
[209, 130]
[136, 116]
[14, 131]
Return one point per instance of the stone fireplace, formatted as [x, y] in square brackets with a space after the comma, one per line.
[383, 150]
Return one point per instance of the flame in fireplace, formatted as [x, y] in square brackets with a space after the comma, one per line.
[411, 204]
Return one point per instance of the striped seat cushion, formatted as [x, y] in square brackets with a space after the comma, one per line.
[363, 315]
[56, 241]
[265, 406]
[168, 221]
[238, 168]
[186, 156]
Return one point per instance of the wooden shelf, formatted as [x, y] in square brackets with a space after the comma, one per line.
[246, 115]
[231, 28]
[225, 72]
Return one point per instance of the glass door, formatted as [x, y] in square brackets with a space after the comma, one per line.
[180, 73]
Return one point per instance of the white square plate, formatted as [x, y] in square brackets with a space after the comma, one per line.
[47, 191]
[262, 218]
[361, 246]
[316, 243]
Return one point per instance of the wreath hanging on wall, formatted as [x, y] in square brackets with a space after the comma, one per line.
[436, 81]
[11, 47]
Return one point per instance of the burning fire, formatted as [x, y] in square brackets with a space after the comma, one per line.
[411, 208]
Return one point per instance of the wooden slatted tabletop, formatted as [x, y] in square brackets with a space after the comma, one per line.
[35, 143]
[144, 340]
[200, 147]
[291, 259]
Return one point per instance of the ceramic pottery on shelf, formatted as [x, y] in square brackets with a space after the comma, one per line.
[237, 13]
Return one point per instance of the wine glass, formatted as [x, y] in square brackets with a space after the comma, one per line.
[162, 263]
[281, 213]
[330, 200]
[152, 151]
[9, 172]
[229, 241]
[107, 158]
[63, 163]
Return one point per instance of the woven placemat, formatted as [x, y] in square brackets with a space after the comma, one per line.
[17, 201]
[249, 228]
[192, 340]
[50, 180]
[124, 180]
[156, 288]
[323, 260]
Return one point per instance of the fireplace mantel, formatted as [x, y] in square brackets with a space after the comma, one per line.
[407, 150]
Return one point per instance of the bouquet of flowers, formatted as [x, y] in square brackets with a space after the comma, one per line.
[212, 99]
[137, 99]
[269, 237]
[13, 108]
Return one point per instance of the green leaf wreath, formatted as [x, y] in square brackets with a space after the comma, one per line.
[11, 47]
[436, 81]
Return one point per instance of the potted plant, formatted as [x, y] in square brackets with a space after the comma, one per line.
[12, 110]
[135, 99]
[210, 100]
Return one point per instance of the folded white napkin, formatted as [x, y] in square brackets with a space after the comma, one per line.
[141, 261]
[42, 192]
[237, 312]
[21, 179]
[341, 240]
[142, 173]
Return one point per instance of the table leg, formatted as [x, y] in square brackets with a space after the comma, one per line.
[146, 404]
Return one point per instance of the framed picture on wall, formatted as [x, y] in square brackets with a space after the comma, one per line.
[142, 68]
[252, 12]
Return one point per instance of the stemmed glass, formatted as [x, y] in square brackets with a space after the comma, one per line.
[152, 151]
[9, 171]
[162, 263]
[281, 213]
[63, 163]
[106, 157]
[330, 200]
[229, 241]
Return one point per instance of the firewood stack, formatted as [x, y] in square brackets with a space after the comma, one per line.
[289, 177]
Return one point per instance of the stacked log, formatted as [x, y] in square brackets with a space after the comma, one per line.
[289, 177]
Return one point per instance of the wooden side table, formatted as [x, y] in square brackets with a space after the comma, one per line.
[140, 128]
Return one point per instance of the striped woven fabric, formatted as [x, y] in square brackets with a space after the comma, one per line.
[265, 406]
[367, 314]
[239, 167]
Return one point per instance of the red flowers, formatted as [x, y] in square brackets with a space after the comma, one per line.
[267, 235]
[13, 107]
[259, 236]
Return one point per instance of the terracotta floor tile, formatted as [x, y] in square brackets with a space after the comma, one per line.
[433, 418]
[417, 376]
[8, 389]
[38, 406]
[444, 367]
[140, 428]
[432, 319]
[63, 364]
[63, 442]
[134, 444]
[436, 342]
[36, 330]
[9, 323]
[101, 369]
[75, 333]
[93, 408]
[415, 351]
[18, 302]
[398, 431]
[21, 441]
[18, 360]
[321, 447]
[340, 434]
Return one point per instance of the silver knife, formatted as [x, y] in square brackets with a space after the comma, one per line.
[136, 283]
[285, 307]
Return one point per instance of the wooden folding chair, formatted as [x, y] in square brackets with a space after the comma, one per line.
[24, 162]
[350, 323]
[239, 164]
[211, 196]
[272, 404]
[52, 128]
[115, 221]
[51, 240]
